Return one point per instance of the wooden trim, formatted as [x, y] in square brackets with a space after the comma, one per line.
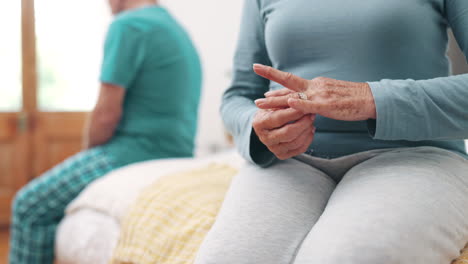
[17, 170]
[29, 57]
[29, 77]
[8, 126]
[53, 127]
[61, 124]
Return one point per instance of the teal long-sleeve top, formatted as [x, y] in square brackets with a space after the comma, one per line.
[398, 47]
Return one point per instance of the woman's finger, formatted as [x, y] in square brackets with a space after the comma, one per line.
[290, 131]
[279, 118]
[285, 147]
[275, 102]
[298, 142]
[286, 79]
[306, 106]
[303, 146]
[279, 92]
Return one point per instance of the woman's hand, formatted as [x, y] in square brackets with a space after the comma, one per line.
[285, 132]
[340, 100]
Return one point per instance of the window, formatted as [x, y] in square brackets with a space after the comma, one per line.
[10, 56]
[70, 38]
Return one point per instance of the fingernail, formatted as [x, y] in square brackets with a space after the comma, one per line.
[259, 101]
[257, 65]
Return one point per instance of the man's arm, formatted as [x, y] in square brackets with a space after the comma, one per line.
[105, 117]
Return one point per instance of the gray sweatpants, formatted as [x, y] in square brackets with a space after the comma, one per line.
[393, 206]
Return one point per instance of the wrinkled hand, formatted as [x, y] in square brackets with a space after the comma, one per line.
[340, 100]
[285, 132]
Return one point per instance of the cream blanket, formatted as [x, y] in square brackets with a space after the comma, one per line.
[169, 220]
[114, 193]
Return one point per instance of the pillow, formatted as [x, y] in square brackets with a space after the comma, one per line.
[86, 236]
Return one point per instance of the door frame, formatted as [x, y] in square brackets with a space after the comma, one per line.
[35, 140]
[17, 127]
[29, 79]
[42, 127]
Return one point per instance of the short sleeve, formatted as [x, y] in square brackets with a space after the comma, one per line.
[124, 53]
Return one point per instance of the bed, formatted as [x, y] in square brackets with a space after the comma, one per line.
[92, 225]
[90, 230]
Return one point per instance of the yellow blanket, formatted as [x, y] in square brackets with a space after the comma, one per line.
[169, 220]
[463, 259]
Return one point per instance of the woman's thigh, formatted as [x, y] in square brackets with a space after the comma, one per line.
[403, 206]
[266, 214]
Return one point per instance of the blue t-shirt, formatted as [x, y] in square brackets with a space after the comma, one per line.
[151, 56]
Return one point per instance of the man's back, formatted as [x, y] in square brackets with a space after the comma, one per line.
[149, 54]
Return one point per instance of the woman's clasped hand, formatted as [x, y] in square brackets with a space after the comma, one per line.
[285, 121]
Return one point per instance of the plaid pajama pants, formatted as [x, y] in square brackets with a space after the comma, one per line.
[40, 205]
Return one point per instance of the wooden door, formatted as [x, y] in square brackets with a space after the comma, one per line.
[13, 161]
[38, 131]
[15, 158]
[58, 135]
[68, 62]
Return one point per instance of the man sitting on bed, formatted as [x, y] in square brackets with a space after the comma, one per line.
[147, 109]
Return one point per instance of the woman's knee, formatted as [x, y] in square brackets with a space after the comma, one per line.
[266, 214]
[354, 251]
[213, 253]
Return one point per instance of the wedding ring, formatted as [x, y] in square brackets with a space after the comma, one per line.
[302, 96]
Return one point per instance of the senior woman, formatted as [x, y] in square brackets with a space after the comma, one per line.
[356, 152]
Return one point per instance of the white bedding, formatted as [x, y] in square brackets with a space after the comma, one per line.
[86, 236]
[90, 229]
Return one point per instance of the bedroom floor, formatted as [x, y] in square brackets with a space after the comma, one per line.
[3, 244]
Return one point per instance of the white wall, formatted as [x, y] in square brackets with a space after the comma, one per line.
[213, 26]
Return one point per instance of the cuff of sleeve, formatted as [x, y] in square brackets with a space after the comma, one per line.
[239, 123]
[259, 153]
[255, 151]
[371, 124]
[381, 126]
[114, 81]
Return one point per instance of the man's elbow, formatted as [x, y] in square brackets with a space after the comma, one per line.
[107, 118]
